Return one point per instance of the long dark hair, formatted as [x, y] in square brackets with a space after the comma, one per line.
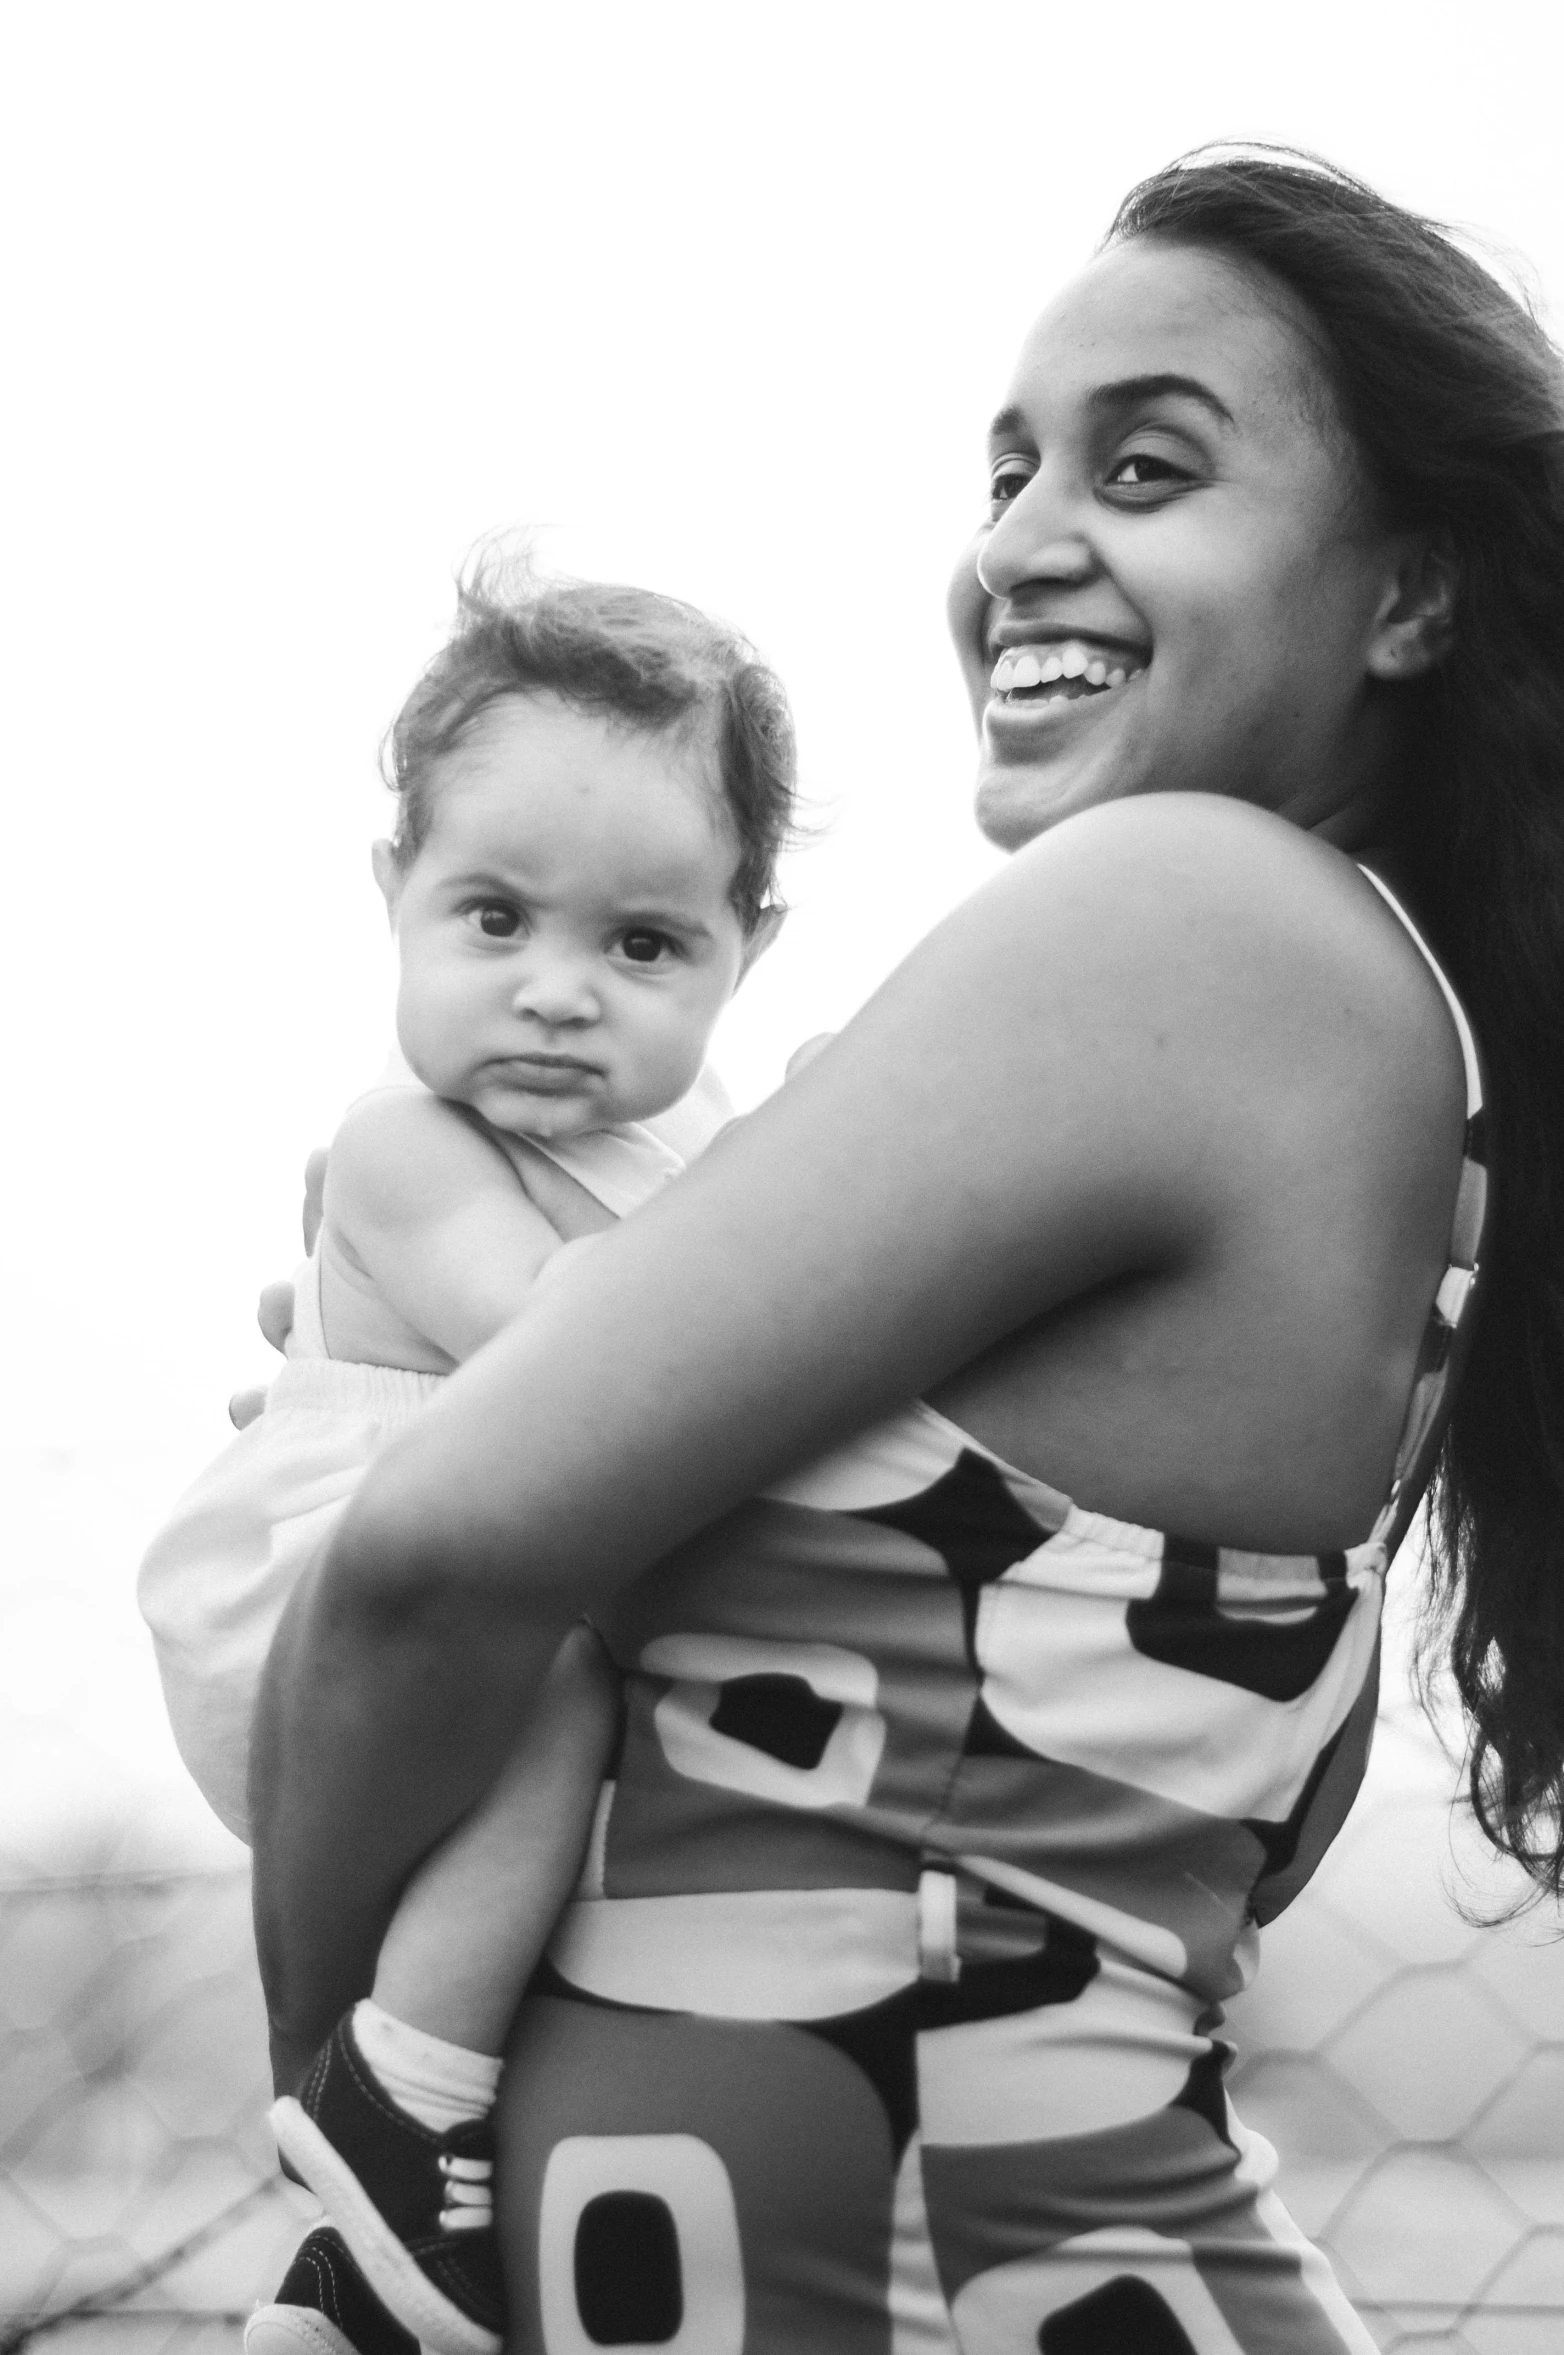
[1454, 397]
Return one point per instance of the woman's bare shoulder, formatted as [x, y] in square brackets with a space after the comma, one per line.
[1265, 950]
[1200, 869]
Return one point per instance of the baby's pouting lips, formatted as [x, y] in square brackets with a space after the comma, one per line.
[1060, 671]
[545, 1074]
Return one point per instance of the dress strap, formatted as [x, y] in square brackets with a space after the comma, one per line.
[621, 1167]
[1429, 1406]
[1458, 1015]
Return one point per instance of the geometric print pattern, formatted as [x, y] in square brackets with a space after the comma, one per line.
[887, 2015]
[936, 1914]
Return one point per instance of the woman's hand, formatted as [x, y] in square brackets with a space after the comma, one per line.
[274, 1311]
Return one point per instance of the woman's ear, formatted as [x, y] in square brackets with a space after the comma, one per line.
[1415, 626]
[767, 925]
[388, 875]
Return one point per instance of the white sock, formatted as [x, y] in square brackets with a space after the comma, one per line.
[437, 2083]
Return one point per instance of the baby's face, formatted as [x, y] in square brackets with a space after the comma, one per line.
[566, 936]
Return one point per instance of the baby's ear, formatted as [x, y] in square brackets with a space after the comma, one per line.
[759, 938]
[388, 875]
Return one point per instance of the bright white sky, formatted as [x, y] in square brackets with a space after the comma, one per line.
[307, 297]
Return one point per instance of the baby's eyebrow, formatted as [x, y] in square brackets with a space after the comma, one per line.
[662, 920]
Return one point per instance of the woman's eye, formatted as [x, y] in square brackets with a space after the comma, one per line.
[496, 920]
[1007, 479]
[645, 948]
[1140, 470]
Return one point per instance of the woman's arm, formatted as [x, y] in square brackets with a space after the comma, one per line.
[1060, 1086]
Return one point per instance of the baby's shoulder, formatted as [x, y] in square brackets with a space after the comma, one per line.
[396, 1115]
[401, 1152]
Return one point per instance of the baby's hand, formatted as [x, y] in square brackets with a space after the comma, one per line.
[274, 1312]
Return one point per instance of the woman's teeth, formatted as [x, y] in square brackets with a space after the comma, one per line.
[1047, 666]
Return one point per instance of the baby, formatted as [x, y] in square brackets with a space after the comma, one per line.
[594, 785]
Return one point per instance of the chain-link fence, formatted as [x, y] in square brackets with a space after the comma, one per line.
[137, 2173]
[140, 2207]
[1409, 2066]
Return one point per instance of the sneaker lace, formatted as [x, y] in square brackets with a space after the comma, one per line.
[467, 2194]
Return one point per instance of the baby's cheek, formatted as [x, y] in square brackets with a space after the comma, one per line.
[676, 1031]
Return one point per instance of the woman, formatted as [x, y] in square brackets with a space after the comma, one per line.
[948, 1806]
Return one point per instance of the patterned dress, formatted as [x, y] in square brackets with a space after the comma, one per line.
[886, 2020]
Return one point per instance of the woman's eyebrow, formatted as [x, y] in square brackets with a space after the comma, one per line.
[1128, 391]
[1008, 422]
[1124, 393]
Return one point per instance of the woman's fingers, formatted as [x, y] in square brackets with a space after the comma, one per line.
[274, 1313]
[314, 1202]
[274, 1310]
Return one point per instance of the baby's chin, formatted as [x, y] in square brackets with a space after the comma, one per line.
[552, 1119]
[545, 1119]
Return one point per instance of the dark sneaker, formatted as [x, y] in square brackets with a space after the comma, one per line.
[415, 2208]
[324, 2306]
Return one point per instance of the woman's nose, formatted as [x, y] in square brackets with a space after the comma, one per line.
[1041, 537]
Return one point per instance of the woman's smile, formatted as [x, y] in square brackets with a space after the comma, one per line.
[1054, 716]
[1043, 690]
[1059, 673]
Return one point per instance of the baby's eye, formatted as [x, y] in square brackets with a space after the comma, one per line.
[497, 919]
[1007, 479]
[644, 947]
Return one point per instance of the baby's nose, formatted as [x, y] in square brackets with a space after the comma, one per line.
[557, 989]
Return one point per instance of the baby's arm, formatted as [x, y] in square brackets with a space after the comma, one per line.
[429, 1217]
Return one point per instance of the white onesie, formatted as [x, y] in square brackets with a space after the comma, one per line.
[217, 1575]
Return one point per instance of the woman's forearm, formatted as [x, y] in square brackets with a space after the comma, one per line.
[378, 1727]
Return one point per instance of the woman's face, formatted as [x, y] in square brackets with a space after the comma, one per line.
[1180, 582]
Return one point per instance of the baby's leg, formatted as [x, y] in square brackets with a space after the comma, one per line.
[391, 2126]
[476, 1916]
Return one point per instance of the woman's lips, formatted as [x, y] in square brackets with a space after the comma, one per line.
[1064, 666]
[1017, 721]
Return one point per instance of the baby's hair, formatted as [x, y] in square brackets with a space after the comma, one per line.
[649, 661]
